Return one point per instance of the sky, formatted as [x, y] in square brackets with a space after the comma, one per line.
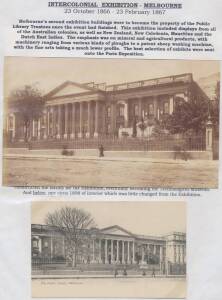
[140, 217]
[48, 73]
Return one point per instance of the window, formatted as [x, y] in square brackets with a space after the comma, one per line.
[35, 244]
[121, 111]
[46, 244]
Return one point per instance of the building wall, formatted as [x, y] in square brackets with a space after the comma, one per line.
[104, 113]
[113, 249]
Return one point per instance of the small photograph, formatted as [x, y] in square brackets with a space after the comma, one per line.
[89, 122]
[99, 249]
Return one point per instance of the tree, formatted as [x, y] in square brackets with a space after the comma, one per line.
[188, 116]
[74, 224]
[28, 102]
[215, 107]
[159, 129]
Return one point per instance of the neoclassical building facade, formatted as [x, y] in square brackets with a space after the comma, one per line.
[88, 110]
[111, 245]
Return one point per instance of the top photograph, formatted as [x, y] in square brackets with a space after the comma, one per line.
[111, 123]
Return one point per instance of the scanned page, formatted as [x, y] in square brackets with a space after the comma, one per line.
[110, 142]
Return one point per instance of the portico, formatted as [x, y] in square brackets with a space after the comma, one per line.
[73, 110]
[113, 246]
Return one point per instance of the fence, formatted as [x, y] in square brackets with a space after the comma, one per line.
[165, 143]
[39, 263]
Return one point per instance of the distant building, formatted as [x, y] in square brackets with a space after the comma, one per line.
[74, 110]
[112, 245]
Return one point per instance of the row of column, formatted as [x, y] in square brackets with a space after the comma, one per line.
[124, 251]
[76, 121]
[179, 254]
[50, 245]
[141, 111]
[61, 124]
[68, 120]
[176, 253]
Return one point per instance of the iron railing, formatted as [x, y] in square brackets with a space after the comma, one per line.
[164, 143]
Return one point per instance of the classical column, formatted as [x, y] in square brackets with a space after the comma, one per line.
[161, 258]
[123, 253]
[48, 121]
[155, 107]
[54, 117]
[113, 117]
[140, 108]
[128, 253]
[106, 250]
[171, 104]
[45, 119]
[93, 259]
[66, 121]
[39, 128]
[100, 251]
[111, 251]
[89, 120]
[59, 125]
[73, 122]
[126, 114]
[117, 251]
[175, 253]
[133, 252]
[51, 247]
[161, 254]
[96, 133]
[184, 253]
[142, 254]
[81, 111]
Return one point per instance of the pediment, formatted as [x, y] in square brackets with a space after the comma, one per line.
[69, 88]
[116, 230]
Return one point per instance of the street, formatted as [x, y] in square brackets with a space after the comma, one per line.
[110, 173]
